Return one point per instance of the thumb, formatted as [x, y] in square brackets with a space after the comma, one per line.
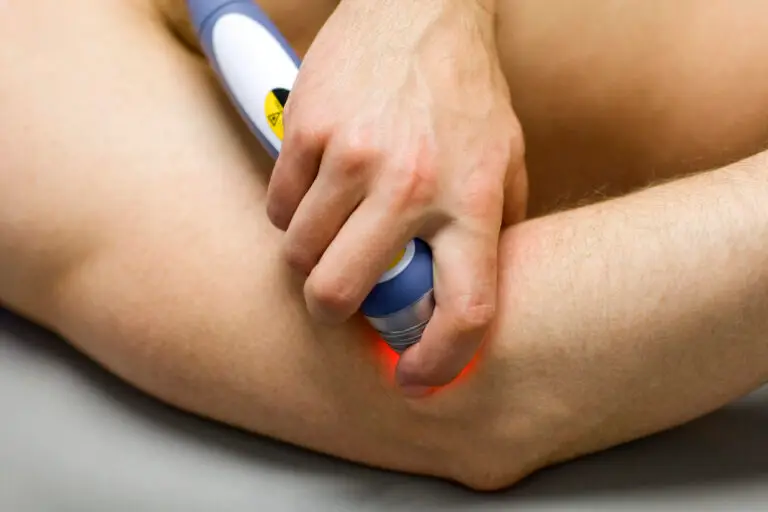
[465, 296]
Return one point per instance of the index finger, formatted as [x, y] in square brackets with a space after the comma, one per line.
[465, 303]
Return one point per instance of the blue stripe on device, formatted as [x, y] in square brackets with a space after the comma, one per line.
[204, 11]
[406, 288]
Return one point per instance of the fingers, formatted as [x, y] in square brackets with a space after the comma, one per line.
[465, 296]
[369, 241]
[295, 170]
[338, 189]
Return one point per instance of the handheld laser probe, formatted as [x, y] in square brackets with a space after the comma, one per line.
[258, 68]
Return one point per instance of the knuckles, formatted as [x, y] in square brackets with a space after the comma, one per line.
[306, 137]
[331, 299]
[410, 186]
[299, 258]
[355, 154]
[474, 313]
[414, 188]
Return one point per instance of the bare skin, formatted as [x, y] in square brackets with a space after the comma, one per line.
[612, 96]
[132, 222]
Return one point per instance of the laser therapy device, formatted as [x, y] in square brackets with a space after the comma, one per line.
[258, 68]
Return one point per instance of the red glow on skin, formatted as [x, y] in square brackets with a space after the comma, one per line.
[387, 356]
[389, 359]
[469, 369]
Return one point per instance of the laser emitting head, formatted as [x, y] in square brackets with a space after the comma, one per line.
[402, 302]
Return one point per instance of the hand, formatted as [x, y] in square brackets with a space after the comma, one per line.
[400, 125]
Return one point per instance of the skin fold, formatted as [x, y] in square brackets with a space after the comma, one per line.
[133, 223]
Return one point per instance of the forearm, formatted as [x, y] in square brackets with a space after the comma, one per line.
[641, 312]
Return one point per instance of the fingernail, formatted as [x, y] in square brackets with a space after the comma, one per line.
[415, 391]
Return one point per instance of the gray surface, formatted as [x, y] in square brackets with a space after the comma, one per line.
[73, 438]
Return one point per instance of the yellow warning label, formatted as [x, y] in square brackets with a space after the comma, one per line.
[274, 105]
[396, 260]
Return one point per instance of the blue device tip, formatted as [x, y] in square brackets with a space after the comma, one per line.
[201, 10]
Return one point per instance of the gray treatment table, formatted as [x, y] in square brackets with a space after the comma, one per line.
[74, 438]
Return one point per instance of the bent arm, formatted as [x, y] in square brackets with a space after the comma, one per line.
[617, 320]
[642, 312]
[132, 222]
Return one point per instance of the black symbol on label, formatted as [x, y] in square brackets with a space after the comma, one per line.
[274, 118]
[281, 95]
